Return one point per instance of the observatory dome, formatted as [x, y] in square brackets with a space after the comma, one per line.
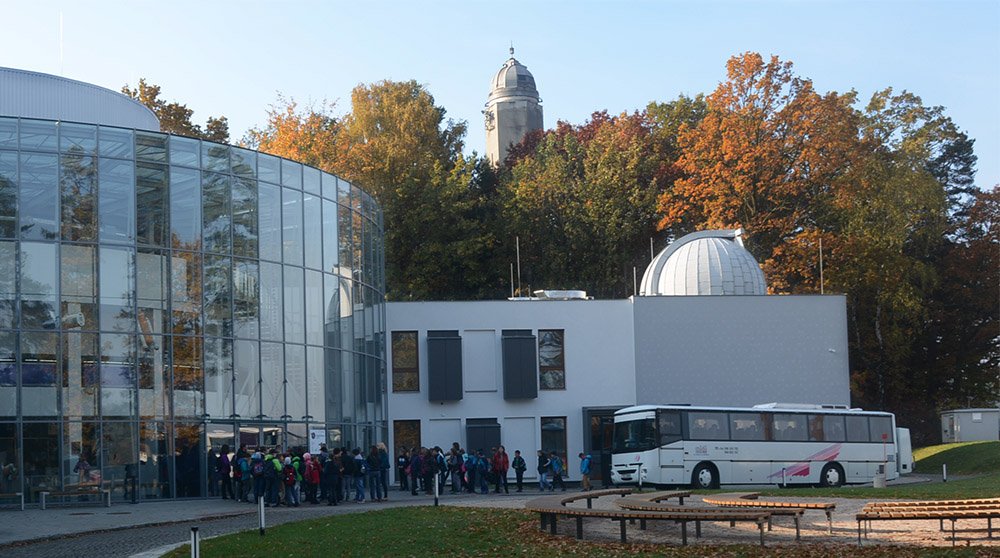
[704, 263]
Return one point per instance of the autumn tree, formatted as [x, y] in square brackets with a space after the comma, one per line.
[175, 118]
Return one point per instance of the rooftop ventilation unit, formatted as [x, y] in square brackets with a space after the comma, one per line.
[561, 295]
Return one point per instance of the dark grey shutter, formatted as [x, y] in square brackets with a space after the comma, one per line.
[444, 366]
[482, 434]
[520, 364]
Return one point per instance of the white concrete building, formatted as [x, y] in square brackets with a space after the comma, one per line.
[548, 374]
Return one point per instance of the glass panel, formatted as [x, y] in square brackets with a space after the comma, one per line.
[214, 157]
[826, 428]
[8, 133]
[8, 375]
[8, 292]
[185, 209]
[331, 310]
[188, 376]
[405, 371]
[294, 310]
[291, 174]
[634, 435]
[10, 461]
[41, 458]
[313, 228]
[790, 427]
[116, 198]
[271, 306]
[707, 426]
[748, 426]
[216, 216]
[314, 307]
[190, 459]
[291, 221]
[344, 240]
[881, 429]
[329, 237]
[246, 299]
[857, 429]
[154, 382]
[37, 135]
[554, 437]
[38, 374]
[218, 297]
[268, 168]
[272, 379]
[151, 293]
[115, 142]
[551, 359]
[80, 139]
[185, 151]
[669, 425]
[218, 377]
[344, 192]
[39, 199]
[8, 194]
[152, 201]
[77, 185]
[244, 162]
[117, 274]
[81, 454]
[80, 375]
[118, 378]
[311, 180]
[247, 378]
[38, 285]
[150, 147]
[316, 388]
[245, 217]
[185, 292]
[269, 216]
[118, 442]
[78, 284]
[295, 381]
[156, 468]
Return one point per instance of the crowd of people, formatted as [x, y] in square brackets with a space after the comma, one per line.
[292, 478]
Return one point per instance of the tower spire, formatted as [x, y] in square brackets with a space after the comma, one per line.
[512, 49]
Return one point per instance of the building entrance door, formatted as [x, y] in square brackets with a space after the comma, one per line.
[601, 423]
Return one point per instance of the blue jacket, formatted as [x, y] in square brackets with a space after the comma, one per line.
[585, 465]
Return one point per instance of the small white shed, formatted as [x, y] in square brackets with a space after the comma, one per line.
[970, 425]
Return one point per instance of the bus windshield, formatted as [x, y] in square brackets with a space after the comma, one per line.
[634, 435]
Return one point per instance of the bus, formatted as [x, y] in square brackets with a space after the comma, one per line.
[774, 443]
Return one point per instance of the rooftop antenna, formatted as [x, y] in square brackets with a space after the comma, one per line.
[512, 280]
[512, 49]
[650, 248]
[821, 265]
[517, 241]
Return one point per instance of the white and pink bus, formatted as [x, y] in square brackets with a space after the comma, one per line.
[775, 443]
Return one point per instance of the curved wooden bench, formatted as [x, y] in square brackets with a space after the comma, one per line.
[751, 500]
[952, 510]
[653, 503]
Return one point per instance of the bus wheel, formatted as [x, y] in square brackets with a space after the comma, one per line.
[705, 476]
[832, 475]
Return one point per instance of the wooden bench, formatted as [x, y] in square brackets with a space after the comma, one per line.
[104, 493]
[941, 510]
[683, 515]
[550, 507]
[777, 507]
[11, 495]
[590, 495]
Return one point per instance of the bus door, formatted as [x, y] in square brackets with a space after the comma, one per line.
[668, 425]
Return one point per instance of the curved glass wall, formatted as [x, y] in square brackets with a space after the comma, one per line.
[161, 296]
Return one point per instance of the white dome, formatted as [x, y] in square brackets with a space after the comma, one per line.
[704, 263]
[513, 79]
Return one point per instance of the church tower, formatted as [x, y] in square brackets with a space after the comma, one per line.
[512, 110]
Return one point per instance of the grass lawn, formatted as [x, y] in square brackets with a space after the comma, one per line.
[452, 531]
[965, 458]
[985, 486]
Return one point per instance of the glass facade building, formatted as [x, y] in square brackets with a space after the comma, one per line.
[162, 295]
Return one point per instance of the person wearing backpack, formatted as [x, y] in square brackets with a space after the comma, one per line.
[470, 471]
[225, 470]
[272, 476]
[373, 465]
[543, 471]
[557, 471]
[257, 472]
[359, 476]
[415, 464]
[288, 477]
[519, 467]
[331, 478]
[482, 469]
[455, 468]
[501, 464]
[241, 477]
[403, 470]
[347, 472]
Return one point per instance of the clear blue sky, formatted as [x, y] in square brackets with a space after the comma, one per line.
[232, 58]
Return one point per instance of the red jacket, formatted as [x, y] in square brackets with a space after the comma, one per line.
[501, 463]
[312, 472]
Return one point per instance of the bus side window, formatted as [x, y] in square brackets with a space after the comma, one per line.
[670, 427]
[857, 429]
[816, 433]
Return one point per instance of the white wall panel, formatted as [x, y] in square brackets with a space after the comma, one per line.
[480, 363]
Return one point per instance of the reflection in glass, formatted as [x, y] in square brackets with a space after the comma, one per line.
[153, 374]
[8, 133]
[78, 280]
[8, 194]
[214, 157]
[115, 142]
[185, 208]
[244, 217]
[41, 458]
[156, 467]
[117, 278]
[8, 293]
[38, 373]
[246, 378]
[218, 377]
[151, 147]
[118, 443]
[316, 386]
[269, 219]
[291, 174]
[152, 201]
[77, 138]
[272, 376]
[246, 298]
[116, 201]
[38, 287]
[189, 378]
[268, 168]
[152, 280]
[313, 228]
[118, 378]
[331, 310]
[551, 359]
[38, 196]
[344, 239]
[185, 292]
[215, 213]
[294, 309]
[8, 376]
[244, 162]
[311, 180]
[185, 151]
[329, 237]
[189, 460]
[291, 226]
[295, 379]
[271, 306]
[38, 135]
[218, 297]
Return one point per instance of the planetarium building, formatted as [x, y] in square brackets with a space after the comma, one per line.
[162, 295]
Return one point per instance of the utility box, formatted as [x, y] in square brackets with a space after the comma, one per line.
[970, 425]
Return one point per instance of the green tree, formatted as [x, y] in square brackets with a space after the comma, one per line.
[175, 118]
